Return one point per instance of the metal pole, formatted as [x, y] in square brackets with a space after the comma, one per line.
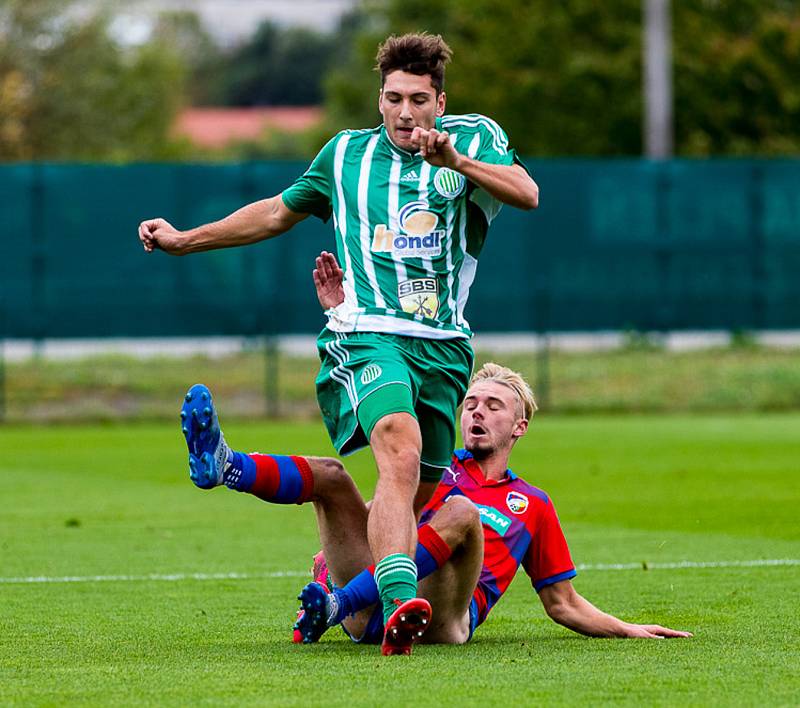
[543, 371]
[271, 393]
[657, 76]
[543, 352]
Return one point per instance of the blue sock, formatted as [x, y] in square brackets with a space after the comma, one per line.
[241, 472]
[362, 591]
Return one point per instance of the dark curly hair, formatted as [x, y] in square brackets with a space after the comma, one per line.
[417, 53]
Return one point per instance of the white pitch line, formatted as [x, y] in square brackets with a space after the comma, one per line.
[172, 577]
[646, 565]
[175, 577]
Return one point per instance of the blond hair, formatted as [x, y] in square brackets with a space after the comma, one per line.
[503, 375]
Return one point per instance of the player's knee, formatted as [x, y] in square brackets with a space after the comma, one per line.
[397, 435]
[465, 512]
[330, 476]
[459, 515]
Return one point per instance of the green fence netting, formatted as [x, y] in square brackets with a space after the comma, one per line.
[615, 244]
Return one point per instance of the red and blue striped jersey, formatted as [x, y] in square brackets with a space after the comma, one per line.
[520, 527]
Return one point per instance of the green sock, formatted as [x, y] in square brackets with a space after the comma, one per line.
[396, 577]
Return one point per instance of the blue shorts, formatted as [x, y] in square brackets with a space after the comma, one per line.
[373, 634]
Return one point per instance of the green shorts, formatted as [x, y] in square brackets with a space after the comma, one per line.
[365, 376]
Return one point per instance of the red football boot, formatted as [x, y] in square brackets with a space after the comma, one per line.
[405, 626]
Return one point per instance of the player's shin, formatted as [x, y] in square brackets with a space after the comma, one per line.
[396, 578]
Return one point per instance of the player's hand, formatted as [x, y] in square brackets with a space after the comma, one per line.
[159, 233]
[328, 278]
[435, 147]
[653, 631]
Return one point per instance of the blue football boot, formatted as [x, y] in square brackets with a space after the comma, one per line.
[208, 451]
[312, 620]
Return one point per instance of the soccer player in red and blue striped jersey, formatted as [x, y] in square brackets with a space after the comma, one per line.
[481, 524]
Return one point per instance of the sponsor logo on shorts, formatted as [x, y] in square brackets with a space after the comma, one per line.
[419, 297]
[370, 373]
[517, 502]
[449, 183]
[418, 236]
[494, 519]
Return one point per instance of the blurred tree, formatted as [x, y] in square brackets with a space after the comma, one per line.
[563, 77]
[205, 62]
[278, 67]
[737, 65]
[560, 77]
[71, 92]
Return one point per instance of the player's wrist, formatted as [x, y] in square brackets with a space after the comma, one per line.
[626, 630]
[459, 162]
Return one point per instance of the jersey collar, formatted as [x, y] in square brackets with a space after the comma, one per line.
[474, 470]
[394, 148]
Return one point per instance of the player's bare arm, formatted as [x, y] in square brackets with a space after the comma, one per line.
[511, 184]
[254, 222]
[567, 607]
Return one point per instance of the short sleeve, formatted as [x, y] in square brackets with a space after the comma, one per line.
[548, 560]
[493, 145]
[489, 144]
[312, 192]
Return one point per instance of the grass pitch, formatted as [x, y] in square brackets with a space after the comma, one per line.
[634, 378]
[92, 502]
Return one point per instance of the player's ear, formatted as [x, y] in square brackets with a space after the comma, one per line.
[441, 101]
[520, 428]
[380, 100]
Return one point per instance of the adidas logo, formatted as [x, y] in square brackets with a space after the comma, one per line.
[410, 176]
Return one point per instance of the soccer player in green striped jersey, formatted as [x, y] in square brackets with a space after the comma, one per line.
[411, 202]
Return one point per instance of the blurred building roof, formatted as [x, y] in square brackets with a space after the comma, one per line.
[216, 127]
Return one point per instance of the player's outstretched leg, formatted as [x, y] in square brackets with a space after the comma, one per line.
[405, 626]
[280, 479]
[208, 452]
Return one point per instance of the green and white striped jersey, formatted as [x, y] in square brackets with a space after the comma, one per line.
[408, 234]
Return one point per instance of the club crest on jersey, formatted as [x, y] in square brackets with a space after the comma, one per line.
[418, 237]
[449, 183]
[516, 502]
[419, 297]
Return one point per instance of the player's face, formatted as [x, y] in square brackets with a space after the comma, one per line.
[491, 419]
[407, 101]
